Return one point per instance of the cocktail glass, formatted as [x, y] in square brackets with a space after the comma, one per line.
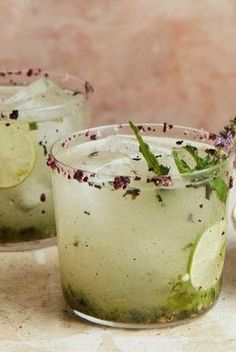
[36, 108]
[138, 250]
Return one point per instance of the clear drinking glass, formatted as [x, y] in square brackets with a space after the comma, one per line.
[137, 250]
[36, 108]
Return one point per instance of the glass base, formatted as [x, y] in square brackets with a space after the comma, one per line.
[135, 325]
[28, 245]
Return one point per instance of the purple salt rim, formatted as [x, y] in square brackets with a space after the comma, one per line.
[63, 79]
[225, 138]
[122, 181]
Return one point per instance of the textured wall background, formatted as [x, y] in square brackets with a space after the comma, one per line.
[148, 59]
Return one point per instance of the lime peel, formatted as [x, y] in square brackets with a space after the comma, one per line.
[206, 261]
[17, 155]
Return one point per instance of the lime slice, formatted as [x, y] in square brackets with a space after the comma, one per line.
[17, 155]
[207, 258]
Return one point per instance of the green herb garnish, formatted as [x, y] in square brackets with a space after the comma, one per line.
[9, 234]
[211, 159]
[217, 184]
[220, 187]
[202, 163]
[180, 163]
[33, 126]
[144, 149]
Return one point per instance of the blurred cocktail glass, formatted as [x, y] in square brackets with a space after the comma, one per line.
[36, 108]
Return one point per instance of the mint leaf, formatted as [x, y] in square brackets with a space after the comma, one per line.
[180, 163]
[219, 185]
[209, 160]
[193, 151]
[202, 163]
[152, 162]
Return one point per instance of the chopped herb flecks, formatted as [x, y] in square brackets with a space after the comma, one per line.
[190, 217]
[188, 245]
[97, 186]
[133, 192]
[93, 154]
[43, 145]
[33, 126]
[231, 182]
[43, 197]
[14, 115]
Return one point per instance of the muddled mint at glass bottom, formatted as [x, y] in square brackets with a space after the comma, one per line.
[183, 302]
[143, 253]
[9, 235]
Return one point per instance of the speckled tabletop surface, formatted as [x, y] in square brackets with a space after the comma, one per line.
[33, 315]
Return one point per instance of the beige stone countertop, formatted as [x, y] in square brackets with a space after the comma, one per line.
[33, 316]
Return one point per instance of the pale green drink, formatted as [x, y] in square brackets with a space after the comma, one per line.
[137, 250]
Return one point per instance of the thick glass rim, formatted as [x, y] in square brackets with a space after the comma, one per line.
[68, 170]
[83, 87]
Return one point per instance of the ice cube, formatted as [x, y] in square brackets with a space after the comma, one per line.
[27, 195]
[129, 145]
[40, 87]
[160, 147]
[7, 91]
[101, 156]
[118, 155]
[101, 162]
[123, 143]
[120, 165]
[41, 100]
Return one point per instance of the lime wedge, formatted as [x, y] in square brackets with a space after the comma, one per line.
[17, 155]
[207, 258]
